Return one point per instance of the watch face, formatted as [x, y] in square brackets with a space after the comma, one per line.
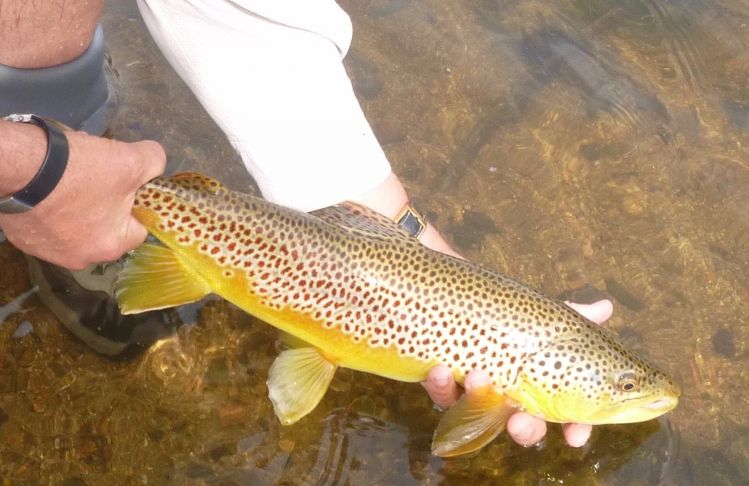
[412, 222]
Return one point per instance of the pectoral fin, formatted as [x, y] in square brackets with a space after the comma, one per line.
[154, 278]
[472, 423]
[297, 381]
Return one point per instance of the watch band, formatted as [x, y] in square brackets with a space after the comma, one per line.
[411, 220]
[49, 174]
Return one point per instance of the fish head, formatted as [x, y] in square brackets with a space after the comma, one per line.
[590, 377]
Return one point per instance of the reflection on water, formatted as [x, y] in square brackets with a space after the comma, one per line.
[589, 145]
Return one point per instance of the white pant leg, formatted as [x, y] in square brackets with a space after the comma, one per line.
[270, 74]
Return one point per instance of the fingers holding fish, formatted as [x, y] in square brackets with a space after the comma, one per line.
[441, 386]
[598, 312]
[525, 429]
[576, 435]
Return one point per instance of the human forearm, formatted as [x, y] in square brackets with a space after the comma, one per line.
[59, 33]
[22, 149]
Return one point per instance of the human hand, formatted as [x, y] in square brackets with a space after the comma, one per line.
[524, 429]
[87, 217]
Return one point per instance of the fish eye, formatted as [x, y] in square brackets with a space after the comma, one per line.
[627, 382]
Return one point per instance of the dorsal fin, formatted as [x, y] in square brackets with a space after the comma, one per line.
[362, 220]
[185, 184]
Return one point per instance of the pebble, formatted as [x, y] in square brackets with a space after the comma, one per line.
[286, 445]
[23, 329]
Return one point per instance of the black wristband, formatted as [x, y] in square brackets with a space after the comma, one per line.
[49, 174]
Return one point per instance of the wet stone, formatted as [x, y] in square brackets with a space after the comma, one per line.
[223, 450]
[364, 76]
[74, 481]
[198, 471]
[631, 338]
[737, 452]
[471, 231]
[736, 113]
[724, 343]
[386, 8]
[623, 296]
[286, 445]
[587, 294]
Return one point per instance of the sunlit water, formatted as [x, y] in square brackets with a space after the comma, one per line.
[573, 145]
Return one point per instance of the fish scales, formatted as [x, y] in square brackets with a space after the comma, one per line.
[370, 297]
[393, 292]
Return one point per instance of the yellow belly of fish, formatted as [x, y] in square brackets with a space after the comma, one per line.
[338, 347]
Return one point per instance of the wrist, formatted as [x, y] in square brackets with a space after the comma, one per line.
[22, 150]
[389, 199]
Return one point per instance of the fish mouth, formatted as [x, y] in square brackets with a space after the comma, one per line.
[665, 403]
[630, 411]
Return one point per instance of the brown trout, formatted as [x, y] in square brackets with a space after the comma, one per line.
[363, 294]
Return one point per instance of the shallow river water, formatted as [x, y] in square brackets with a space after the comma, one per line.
[585, 147]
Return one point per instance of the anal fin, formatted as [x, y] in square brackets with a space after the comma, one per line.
[154, 278]
[297, 381]
[474, 421]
